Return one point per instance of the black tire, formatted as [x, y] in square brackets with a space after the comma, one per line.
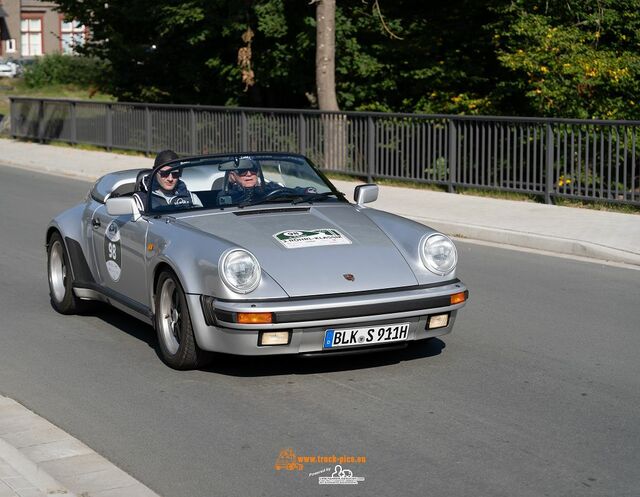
[60, 278]
[177, 345]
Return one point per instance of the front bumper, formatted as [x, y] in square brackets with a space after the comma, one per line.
[308, 318]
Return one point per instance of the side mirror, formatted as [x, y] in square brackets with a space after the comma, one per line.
[363, 194]
[122, 206]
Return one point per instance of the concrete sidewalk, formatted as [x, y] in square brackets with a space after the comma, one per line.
[607, 236]
[38, 459]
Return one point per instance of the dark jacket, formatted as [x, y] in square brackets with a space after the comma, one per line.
[179, 197]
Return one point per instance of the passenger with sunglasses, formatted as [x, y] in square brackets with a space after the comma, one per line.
[168, 188]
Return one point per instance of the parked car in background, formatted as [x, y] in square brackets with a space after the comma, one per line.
[9, 69]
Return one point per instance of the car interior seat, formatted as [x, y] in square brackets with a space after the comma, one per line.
[220, 183]
[142, 181]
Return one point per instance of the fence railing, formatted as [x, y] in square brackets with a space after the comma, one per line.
[580, 159]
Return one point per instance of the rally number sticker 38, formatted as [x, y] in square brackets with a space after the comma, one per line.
[112, 251]
[311, 238]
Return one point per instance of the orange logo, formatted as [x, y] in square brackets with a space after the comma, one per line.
[287, 460]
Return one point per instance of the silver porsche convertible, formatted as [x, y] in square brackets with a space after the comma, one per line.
[252, 254]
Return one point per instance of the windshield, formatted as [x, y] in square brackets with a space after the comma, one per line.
[237, 181]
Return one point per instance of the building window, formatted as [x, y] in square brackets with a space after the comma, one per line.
[10, 46]
[31, 40]
[72, 35]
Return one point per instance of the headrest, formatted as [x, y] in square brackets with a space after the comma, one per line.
[142, 180]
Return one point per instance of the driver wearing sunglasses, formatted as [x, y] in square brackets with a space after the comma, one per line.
[246, 178]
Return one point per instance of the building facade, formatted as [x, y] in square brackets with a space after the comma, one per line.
[31, 28]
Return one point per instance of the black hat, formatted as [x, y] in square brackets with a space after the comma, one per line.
[164, 157]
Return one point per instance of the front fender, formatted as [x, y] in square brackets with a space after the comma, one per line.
[406, 235]
[193, 256]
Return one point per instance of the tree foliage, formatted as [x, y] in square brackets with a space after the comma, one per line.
[569, 58]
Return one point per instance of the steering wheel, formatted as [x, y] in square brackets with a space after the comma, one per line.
[277, 191]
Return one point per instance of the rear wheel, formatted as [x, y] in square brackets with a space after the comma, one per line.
[176, 341]
[63, 299]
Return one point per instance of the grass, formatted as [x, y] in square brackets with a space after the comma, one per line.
[15, 87]
[599, 206]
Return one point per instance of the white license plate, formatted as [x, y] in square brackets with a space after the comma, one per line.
[350, 337]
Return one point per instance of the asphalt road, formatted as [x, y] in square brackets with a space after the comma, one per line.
[536, 392]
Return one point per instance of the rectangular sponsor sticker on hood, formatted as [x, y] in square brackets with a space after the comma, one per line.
[311, 238]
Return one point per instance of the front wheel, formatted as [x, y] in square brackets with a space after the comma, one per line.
[176, 341]
[63, 299]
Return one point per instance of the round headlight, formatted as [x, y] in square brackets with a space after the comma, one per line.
[438, 254]
[240, 270]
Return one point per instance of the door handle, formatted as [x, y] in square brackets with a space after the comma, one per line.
[95, 222]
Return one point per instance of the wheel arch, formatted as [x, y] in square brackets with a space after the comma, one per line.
[162, 265]
[50, 231]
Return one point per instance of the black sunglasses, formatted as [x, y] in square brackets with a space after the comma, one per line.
[245, 172]
[165, 174]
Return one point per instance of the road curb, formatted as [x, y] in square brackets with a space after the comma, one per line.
[55, 462]
[566, 246]
[31, 472]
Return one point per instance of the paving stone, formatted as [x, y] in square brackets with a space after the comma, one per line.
[6, 470]
[17, 482]
[41, 432]
[75, 465]
[55, 450]
[10, 423]
[34, 492]
[97, 481]
[12, 409]
[6, 490]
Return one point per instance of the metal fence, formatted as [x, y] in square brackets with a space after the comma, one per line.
[581, 159]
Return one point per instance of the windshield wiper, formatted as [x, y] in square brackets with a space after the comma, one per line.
[311, 197]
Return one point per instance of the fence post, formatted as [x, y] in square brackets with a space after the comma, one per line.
[371, 149]
[453, 155]
[194, 136]
[147, 129]
[302, 135]
[109, 130]
[13, 118]
[74, 124]
[549, 166]
[243, 132]
[41, 121]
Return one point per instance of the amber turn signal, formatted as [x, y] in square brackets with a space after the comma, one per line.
[254, 317]
[458, 298]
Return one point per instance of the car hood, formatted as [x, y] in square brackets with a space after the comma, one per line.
[313, 250]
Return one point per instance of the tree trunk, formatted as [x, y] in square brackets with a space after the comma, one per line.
[334, 125]
[326, 54]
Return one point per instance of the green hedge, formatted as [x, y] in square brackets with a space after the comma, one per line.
[59, 69]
